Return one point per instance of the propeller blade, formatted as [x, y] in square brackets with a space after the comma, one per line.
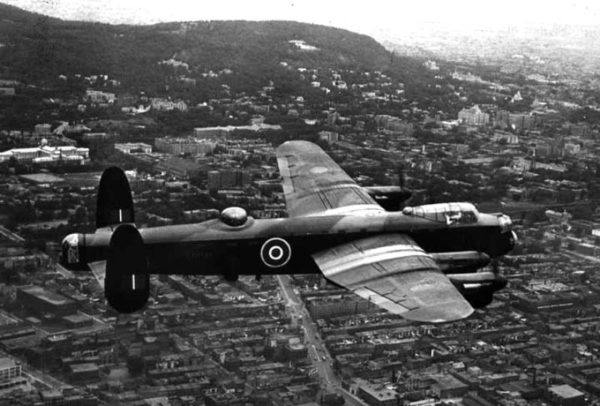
[401, 177]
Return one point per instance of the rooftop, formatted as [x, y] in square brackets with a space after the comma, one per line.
[85, 367]
[42, 178]
[7, 363]
[565, 391]
[380, 392]
[46, 295]
[446, 382]
[76, 318]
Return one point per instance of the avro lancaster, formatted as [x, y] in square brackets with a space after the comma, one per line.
[423, 262]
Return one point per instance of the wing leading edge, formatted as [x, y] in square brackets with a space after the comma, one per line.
[394, 273]
[313, 184]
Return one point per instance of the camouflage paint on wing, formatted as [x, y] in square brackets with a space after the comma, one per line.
[314, 184]
[394, 273]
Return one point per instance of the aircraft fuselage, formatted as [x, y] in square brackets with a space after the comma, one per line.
[285, 246]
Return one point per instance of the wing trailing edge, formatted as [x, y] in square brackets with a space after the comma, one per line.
[394, 273]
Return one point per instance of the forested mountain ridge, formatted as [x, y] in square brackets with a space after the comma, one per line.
[36, 47]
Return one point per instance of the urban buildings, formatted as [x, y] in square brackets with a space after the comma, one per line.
[474, 116]
[223, 131]
[134, 148]
[46, 154]
[202, 340]
[188, 145]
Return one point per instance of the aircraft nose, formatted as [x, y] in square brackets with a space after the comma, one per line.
[505, 223]
[513, 239]
[508, 241]
[506, 238]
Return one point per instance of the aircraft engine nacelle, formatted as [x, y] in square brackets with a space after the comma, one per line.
[127, 282]
[478, 288]
[460, 262]
[390, 198]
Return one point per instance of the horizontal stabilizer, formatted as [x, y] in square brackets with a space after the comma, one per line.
[99, 271]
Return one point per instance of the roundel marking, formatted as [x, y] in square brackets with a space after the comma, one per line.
[275, 252]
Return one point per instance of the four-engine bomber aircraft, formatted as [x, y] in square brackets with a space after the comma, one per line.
[421, 262]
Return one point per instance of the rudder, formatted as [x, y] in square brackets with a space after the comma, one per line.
[114, 204]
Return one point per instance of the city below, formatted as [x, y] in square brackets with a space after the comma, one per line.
[518, 135]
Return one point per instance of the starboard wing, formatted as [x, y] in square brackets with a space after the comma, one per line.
[394, 273]
[313, 184]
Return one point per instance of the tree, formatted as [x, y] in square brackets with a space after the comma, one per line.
[475, 145]
[582, 212]
[24, 213]
[80, 215]
[135, 365]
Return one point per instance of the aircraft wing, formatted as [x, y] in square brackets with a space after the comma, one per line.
[394, 273]
[313, 184]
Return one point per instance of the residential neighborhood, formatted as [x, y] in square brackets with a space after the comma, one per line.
[524, 145]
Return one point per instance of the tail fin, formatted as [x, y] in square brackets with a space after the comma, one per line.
[114, 205]
[127, 282]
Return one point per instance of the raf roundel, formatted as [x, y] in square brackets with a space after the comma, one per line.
[275, 252]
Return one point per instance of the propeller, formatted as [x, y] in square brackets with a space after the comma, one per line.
[401, 176]
[499, 278]
[405, 194]
[495, 266]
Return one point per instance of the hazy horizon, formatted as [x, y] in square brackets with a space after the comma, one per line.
[377, 17]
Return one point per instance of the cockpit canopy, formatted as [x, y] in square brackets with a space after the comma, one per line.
[449, 213]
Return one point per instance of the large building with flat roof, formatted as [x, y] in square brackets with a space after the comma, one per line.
[9, 369]
[88, 371]
[43, 301]
[565, 395]
[134, 148]
[41, 178]
[223, 131]
[184, 145]
[48, 154]
[377, 395]
[10, 374]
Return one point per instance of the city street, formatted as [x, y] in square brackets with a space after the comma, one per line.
[10, 235]
[582, 256]
[317, 351]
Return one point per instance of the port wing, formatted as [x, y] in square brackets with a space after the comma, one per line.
[313, 184]
[394, 273]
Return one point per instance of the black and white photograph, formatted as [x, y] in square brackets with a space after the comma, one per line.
[299, 203]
